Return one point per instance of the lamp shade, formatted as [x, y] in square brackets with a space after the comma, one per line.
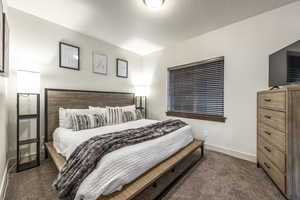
[28, 82]
[154, 4]
[142, 91]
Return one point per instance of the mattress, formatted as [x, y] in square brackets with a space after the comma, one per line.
[124, 165]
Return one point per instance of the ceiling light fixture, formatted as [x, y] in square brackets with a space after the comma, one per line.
[155, 4]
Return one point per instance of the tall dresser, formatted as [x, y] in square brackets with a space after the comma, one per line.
[278, 138]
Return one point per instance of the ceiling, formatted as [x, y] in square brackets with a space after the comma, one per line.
[129, 24]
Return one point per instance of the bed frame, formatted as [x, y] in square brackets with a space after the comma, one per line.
[156, 182]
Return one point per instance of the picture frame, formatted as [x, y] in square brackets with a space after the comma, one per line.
[6, 47]
[69, 56]
[100, 63]
[2, 67]
[122, 68]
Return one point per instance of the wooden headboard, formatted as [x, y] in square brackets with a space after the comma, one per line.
[78, 99]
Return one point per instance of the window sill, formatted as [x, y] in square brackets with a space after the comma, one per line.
[216, 118]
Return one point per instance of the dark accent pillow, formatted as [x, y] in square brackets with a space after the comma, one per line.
[127, 116]
[88, 121]
[139, 115]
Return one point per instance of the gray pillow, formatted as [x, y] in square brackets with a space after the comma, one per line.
[65, 116]
[139, 115]
[87, 121]
[128, 116]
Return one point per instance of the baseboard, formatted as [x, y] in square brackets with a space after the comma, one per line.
[3, 185]
[233, 153]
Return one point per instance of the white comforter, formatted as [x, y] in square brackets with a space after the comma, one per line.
[122, 166]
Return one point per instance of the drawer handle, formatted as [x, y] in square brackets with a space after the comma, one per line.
[267, 166]
[268, 116]
[268, 100]
[173, 170]
[154, 185]
[268, 133]
[269, 150]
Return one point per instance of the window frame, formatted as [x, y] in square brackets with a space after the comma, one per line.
[208, 117]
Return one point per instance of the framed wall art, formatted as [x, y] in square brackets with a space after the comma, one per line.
[122, 68]
[5, 60]
[69, 56]
[2, 68]
[99, 63]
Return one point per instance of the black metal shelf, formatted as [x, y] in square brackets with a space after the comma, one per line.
[33, 116]
[28, 165]
[28, 141]
[36, 141]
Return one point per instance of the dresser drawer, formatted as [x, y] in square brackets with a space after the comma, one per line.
[272, 118]
[272, 171]
[272, 153]
[274, 100]
[272, 136]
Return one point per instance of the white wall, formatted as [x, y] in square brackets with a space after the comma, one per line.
[246, 46]
[35, 47]
[3, 127]
[3, 132]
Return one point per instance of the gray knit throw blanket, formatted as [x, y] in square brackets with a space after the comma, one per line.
[86, 156]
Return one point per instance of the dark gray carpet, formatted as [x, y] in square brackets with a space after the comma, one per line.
[217, 177]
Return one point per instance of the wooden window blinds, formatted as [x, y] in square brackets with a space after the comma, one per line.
[196, 90]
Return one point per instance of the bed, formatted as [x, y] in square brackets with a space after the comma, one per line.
[152, 179]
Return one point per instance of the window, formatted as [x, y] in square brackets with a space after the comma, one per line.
[196, 90]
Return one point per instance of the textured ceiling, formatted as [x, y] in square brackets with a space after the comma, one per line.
[131, 25]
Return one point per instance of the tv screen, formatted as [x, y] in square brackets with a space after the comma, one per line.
[284, 66]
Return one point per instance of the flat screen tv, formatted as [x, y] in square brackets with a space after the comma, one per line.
[284, 66]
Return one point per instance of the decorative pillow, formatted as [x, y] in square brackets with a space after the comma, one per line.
[65, 116]
[87, 121]
[100, 109]
[114, 115]
[127, 116]
[130, 108]
[139, 115]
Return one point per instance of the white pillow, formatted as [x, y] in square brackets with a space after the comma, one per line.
[65, 116]
[114, 115]
[130, 108]
[99, 109]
